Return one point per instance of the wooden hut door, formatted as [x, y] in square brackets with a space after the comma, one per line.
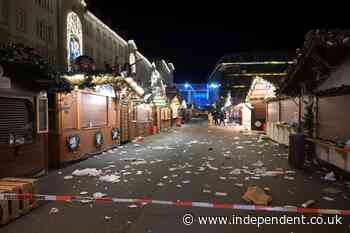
[124, 127]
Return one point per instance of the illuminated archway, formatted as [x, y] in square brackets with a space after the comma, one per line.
[74, 38]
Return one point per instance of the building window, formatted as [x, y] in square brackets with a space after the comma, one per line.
[42, 115]
[45, 4]
[3, 11]
[44, 31]
[74, 37]
[21, 20]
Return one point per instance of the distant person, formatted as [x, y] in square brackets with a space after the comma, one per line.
[210, 119]
[216, 118]
[222, 118]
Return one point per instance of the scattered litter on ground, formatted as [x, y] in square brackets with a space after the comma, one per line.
[308, 203]
[165, 177]
[174, 175]
[186, 181]
[110, 178]
[256, 195]
[160, 184]
[139, 162]
[211, 167]
[54, 211]
[85, 201]
[139, 172]
[239, 147]
[172, 169]
[328, 198]
[236, 171]
[258, 164]
[108, 218]
[288, 178]
[98, 195]
[68, 177]
[220, 194]
[179, 186]
[330, 176]
[192, 142]
[188, 172]
[222, 178]
[87, 172]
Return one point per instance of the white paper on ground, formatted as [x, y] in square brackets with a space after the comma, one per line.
[87, 172]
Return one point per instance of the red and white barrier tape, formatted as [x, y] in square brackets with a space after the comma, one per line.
[179, 203]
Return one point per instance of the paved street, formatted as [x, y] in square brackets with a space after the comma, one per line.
[181, 164]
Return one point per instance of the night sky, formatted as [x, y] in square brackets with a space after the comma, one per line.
[194, 38]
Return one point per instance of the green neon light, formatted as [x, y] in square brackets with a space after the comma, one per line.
[259, 63]
[239, 86]
[259, 74]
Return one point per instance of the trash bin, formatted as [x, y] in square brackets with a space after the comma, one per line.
[296, 156]
[178, 121]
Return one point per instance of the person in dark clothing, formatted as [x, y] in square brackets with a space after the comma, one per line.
[216, 118]
[222, 118]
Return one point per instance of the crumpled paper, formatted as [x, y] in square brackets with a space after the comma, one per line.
[256, 195]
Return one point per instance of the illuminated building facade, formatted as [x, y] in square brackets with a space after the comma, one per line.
[201, 95]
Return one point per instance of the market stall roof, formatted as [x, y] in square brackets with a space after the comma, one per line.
[260, 90]
[105, 79]
[322, 51]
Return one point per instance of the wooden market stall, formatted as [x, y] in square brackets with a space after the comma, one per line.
[254, 116]
[91, 119]
[175, 104]
[320, 78]
[142, 120]
[161, 113]
[282, 118]
[23, 111]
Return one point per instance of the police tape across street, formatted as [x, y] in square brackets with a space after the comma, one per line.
[179, 203]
